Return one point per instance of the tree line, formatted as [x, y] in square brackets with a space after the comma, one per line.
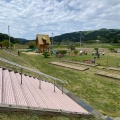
[103, 35]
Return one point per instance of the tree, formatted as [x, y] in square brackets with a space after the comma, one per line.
[31, 44]
[115, 40]
[71, 47]
[5, 43]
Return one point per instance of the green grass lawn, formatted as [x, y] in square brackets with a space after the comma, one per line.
[23, 116]
[101, 93]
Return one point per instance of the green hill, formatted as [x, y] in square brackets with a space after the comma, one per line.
[6, 37]
[104, 35]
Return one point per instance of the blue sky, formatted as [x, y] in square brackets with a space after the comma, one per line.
[27, 18]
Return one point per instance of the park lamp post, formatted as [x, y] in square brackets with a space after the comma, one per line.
[9, 35]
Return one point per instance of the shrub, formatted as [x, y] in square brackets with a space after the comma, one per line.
[76, 52]
[96, 49]
[111, 49]
[31, 44]
[71, 47]
[46, 54]
[63, 52]
[5, 43]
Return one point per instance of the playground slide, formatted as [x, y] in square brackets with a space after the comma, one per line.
[53, 51]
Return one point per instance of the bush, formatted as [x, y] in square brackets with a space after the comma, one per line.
[96, 49]
[76, 52]
[5, 43]
[63, 52]
[71, 47]
[46, 54]
[31, 44]
[111, 49]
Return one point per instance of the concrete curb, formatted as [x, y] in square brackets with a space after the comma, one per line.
[39, 111]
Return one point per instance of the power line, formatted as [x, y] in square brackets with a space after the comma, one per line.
[15, 27]
[19, 28]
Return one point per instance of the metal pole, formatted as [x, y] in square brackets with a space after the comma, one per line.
[40, 83]
[115, 60]
[54, 85]
[9, 35]
[21, 76]
[107, 58]
[62, 88]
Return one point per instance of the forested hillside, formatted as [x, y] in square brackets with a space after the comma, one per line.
[6, 37]
[104, 35]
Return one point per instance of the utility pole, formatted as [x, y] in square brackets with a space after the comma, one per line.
[9, 35]
[80, 39]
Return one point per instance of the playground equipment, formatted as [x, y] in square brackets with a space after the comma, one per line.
[53, 51]
[81, 52]
[43, 42]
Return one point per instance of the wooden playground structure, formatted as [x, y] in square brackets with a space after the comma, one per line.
[43, 43]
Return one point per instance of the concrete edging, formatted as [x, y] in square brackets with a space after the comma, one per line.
[39, 111]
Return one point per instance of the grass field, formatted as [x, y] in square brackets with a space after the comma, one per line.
[101, 93]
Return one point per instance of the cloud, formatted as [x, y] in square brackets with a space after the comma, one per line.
[26, 18]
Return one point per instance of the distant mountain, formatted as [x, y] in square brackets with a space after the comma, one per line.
[104, 35]
[22, 40]
[12, 39]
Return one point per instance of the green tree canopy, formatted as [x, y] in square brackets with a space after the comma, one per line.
[5, 43]
[31, 44]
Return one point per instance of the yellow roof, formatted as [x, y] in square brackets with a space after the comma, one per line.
[40, 37]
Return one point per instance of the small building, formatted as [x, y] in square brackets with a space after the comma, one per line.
[43, 42]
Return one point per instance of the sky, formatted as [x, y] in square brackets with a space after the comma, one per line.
[26, 18]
